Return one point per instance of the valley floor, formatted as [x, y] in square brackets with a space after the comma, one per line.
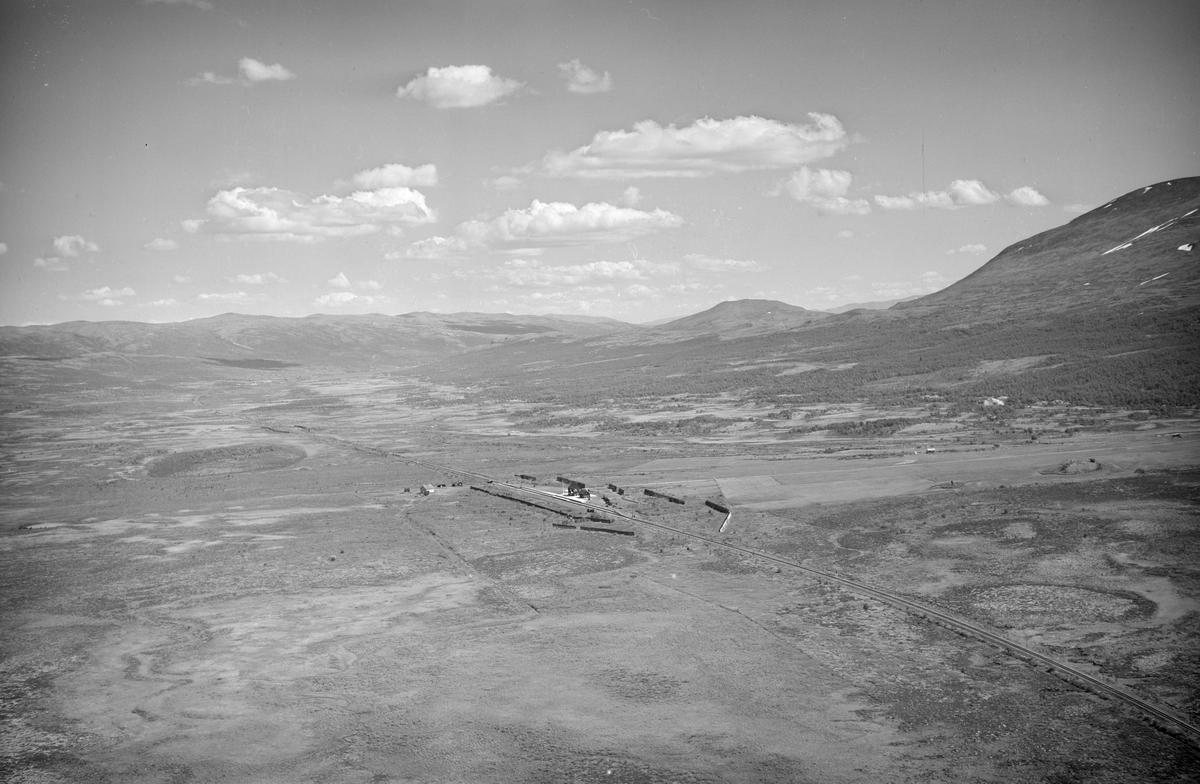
[239, 580]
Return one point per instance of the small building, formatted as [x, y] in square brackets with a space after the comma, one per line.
[426, 490]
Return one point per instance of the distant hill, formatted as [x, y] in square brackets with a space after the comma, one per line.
[741, 318]
[1102, 310]
[877, 305]
[346, 340]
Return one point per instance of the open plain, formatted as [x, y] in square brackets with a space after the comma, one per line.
[235, 577]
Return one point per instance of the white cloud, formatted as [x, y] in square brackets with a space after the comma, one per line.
[3, 248]
[336, 299]
[209, 77]
[254, 71]
[106, 295]
[703, 148]
[181, 279]
[203, 5]
[699, 261]
[1077, 208]
[938, 199]
[73, 245]
[275, 214]
[192, 225]
[845, 234]
[257, 279]
[1026, 196]
[341, 281]
[560, 223]
[631, 196]
[962, 193]
[459, 87]
[640, 291]
[973, 249]
[371, 285]
[433, 248]
[525, 273]
[51, 264]
[159, 303]
[581, 79]
[971, 192]
[160, 244]
[230, 296]
[394, 175]
[826, 190]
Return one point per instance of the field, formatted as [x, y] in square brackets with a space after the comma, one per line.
[235, 577]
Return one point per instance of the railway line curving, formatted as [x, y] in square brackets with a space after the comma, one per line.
[1166, 719]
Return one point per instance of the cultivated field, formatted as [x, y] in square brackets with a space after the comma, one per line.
[235, 578]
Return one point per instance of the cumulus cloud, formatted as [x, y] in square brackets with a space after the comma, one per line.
[51, 264]
[703, 148]
[972, 249]
[826, 190]
[229, 296]
[210, 77]
[543, 225]
[341, 281]
[631, 196]
[581, 79]
[560, 223]
[159, 243]
[158, 303]
[254, 71]
[1026, 196]
[106, 295]
[962, 193]
[433, 248]
[971, 192]
[938, 199]
[3, 248]
[73, 245]
[181, 279]
[275, 214]
[525, 273]
[257, 279]
[396, 175]
[372, 285]
[336, 298]
[459, 87]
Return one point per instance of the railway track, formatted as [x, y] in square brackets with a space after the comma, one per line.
[1165, 718]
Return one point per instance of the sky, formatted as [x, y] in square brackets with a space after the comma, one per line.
[164, 160]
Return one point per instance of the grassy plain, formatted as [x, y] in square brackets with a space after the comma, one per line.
[232, 578]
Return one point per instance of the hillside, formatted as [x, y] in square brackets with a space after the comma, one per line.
[741, 318]
[1104, 309]
[1126, 251]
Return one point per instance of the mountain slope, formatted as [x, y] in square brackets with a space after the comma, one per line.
[1122, 252]
[741, 318]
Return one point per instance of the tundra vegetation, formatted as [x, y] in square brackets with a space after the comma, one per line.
[221, 569]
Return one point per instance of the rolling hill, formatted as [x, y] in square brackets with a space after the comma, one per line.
[1104, 309]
